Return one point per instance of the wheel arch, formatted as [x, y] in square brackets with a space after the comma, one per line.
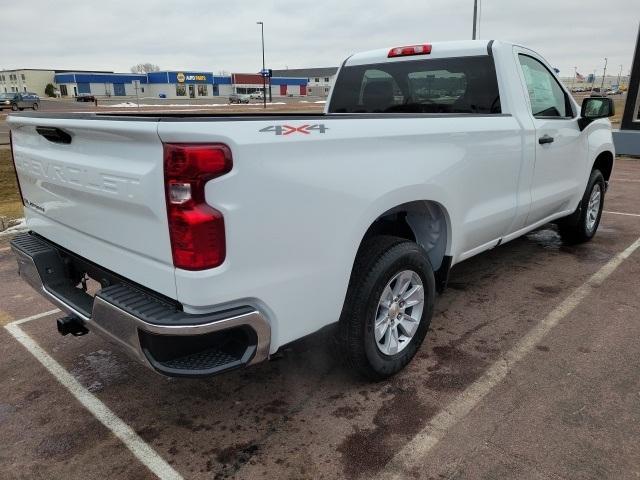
[425, 222]
[604, 162]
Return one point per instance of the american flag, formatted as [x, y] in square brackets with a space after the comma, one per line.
[579, 77]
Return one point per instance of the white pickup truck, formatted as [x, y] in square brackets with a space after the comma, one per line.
[203, 243]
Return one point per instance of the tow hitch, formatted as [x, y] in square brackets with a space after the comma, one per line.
[71, 325]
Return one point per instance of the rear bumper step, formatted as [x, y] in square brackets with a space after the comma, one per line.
[154, 330]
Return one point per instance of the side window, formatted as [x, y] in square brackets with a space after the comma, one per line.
[546, 96]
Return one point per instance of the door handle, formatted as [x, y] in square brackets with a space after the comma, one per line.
[545, 139]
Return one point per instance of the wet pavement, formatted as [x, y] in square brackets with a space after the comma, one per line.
[570, 409]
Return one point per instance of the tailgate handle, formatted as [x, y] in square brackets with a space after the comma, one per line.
[55, 135]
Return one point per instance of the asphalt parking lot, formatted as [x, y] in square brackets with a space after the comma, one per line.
[127, 105]
[531, 370]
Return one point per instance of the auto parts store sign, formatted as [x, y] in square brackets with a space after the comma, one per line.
[182, 77]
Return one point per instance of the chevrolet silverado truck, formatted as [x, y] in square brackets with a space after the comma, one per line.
[202, 243]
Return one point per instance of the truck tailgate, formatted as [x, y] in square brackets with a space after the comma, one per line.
[101, 195]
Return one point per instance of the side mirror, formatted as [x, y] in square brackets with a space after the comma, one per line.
[594, 108]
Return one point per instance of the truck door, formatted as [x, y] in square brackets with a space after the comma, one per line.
[560, 147]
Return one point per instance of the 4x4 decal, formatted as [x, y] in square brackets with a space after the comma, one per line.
[289, 129]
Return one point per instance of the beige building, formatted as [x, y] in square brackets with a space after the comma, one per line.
[25, 80]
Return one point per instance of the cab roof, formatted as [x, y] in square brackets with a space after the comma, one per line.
[462, 48]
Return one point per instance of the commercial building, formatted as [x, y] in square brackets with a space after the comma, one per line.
[29, 80]
[319, 80]
[182, 84]
[280, 86]
[25, 80]
[98, 83]
[173, 84]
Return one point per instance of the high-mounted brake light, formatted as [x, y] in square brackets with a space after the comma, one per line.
[195, 228]
[409, 50]
[15, 169]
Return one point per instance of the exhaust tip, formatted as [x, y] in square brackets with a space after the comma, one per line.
[71, 325]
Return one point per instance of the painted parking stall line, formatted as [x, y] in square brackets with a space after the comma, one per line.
[140, 449]
[622, 213]
[414, 452]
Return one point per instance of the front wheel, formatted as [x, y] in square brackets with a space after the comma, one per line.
[582, 225]
[14, 108]
[388, 307]
[35, 106]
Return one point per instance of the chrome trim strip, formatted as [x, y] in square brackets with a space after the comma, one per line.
[121, 327]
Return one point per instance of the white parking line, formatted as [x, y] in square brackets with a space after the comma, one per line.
[35, 317]
[413, 453]
[614, 180]
[622, 213]
[141, 450]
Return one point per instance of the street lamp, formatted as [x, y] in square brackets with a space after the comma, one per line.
[619, 75]
[264, 79]
[475, 18]
[603, 75]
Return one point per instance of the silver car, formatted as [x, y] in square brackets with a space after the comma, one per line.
[18, 101]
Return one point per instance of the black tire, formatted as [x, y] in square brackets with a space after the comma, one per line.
[35, 106]
[378, 261]
[576, 228]
[14, 108]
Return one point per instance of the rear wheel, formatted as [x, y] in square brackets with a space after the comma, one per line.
[583, 224]
[388, 307]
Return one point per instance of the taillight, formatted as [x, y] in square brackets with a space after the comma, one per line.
[195, 228]
[409, 50]
[15, 169]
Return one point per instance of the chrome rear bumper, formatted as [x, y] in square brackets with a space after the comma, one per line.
[150, 328]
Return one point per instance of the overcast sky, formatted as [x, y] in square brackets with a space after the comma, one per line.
[222, 35]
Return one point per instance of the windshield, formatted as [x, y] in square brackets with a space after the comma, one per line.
[448, 85]
[7, 95]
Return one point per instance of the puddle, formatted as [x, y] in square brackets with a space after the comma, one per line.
[546, 238]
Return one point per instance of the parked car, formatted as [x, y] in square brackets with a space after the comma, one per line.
[218, 239]
[236, 98]
[85, 97]
[613, 91]
[18, 101]
[256, 95]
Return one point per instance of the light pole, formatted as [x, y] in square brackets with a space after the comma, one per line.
[264, 79]
[475, 17]
[604, 72]
[575, 73]
[619, 75]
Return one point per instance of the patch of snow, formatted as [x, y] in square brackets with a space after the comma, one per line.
[186, 106]
[16, 226]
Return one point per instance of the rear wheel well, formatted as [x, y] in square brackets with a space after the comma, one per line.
[422, 221]
[604, 163]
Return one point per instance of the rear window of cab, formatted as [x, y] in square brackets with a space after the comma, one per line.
[446, 85]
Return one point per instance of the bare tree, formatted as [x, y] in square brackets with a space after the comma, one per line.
[145, 68]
